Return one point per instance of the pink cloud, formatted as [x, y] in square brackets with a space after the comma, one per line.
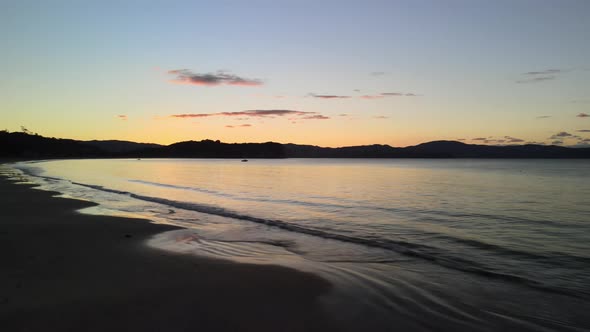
[249, 113]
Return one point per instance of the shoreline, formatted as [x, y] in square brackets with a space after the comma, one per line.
[64, 270]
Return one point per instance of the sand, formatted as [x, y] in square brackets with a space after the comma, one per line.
[66, 271]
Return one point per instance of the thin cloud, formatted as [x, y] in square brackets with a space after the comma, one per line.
[557, 142]
[243, 125]
[583, 115]
[511, 139]
[376, 96]
[193, 115]
[561, 134]
[381, 117]
[398, 94]
[393, 94]
[584, 131]
[377, 73]
[185, 76]
[544, 72]
[329, 96]
[536, 79]
[543, 117]
[122, 117]
[388, 94]
[515, 140]
[540, 75]
[316, 117]
[372, 97]
[479, 139]
[249, 113]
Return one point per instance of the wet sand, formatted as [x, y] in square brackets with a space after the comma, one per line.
[67, 271]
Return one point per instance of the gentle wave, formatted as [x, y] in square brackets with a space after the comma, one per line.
[433, 254]
[539, 258]
[251, 199]
[432, 215]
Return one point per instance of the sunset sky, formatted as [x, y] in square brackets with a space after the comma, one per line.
[329, 73]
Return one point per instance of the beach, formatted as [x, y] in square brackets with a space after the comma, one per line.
[294, 245]
[67, 271]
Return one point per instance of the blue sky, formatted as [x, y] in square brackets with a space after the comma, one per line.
[405, 71]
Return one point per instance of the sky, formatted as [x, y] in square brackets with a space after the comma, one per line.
[328, 73]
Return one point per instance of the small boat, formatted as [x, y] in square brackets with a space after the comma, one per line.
[244, 160]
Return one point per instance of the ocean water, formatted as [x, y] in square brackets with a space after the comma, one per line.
[421, 245]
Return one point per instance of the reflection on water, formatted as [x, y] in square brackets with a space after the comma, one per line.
[464, 244]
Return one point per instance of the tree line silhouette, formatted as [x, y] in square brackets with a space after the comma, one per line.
[29, 145]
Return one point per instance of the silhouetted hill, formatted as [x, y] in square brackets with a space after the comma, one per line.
[437, 149]
[452, 149]
[22, 145]
[215, 149]
[25, 145]
[363, 151]
[115, 146]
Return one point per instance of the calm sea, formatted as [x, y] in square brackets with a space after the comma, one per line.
[408, 244]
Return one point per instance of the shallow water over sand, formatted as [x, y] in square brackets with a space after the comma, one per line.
[415, 244]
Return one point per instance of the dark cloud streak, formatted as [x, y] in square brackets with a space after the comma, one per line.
[329, 96]
[252, 113]
[242, 125]
[561, 135]
[185, 76]
[536, 79]
[544, 72]
[316, 117]
[257, 113]
[540, 76]
[398, 94]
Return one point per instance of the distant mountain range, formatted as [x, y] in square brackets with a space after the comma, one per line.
[28, 146]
